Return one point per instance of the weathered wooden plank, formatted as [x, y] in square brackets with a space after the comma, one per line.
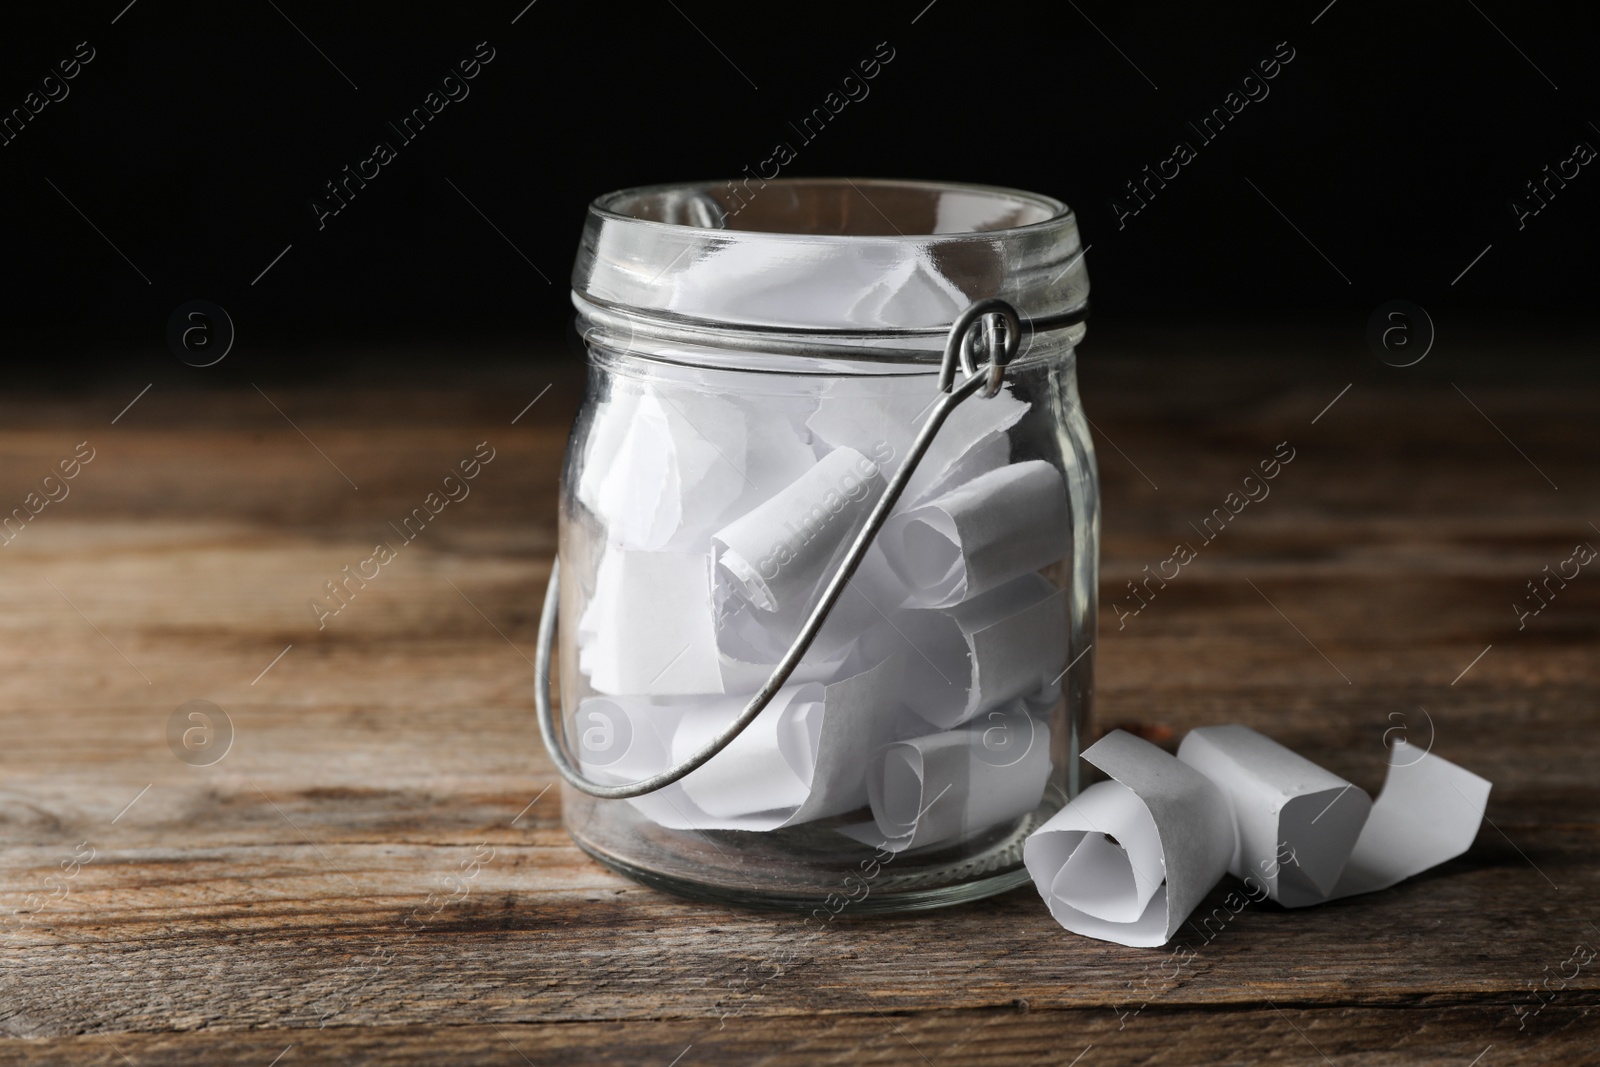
[286, 933]
[1287, 1034]
[288, 884]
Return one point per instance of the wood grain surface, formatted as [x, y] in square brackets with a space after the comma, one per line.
[375, 872]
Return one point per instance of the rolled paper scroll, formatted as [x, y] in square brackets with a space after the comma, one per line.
[1006, 643]
[873, 593]
[1284, 806]
[1322, 837]
[940, 787]
[774, 556]
[1129, 859]
[1219, 808]
[649, 628]
[997, 527]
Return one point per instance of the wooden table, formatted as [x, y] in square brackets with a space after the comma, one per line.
[375, 871]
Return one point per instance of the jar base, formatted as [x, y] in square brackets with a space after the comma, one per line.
[920, 883]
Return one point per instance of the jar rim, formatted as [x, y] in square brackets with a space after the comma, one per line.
[607, 206]
[829, 255]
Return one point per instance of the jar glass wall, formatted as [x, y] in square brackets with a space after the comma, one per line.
[761, 360]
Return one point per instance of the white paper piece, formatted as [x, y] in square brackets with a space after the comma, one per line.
[767, 768]
[613, 417]
[873, 286]
[674, 472]
[1007, 643]
[1194, 832]
[912, 291]
[651, 452]
[649, 628]
[1294, 830]
[741, 676]
[774, 556]
[1283, 805]
[883, 424]
[803, 758]
[941, 787]
[623, 739]
[979, 535]
[1103, 861]
[942, 469]
[778, 448]
[1310, 836]
[874, 593]
[620, 740]
[628, 739]
[751, 642]
[1429, 812]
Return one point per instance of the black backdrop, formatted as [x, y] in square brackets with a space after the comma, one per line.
[1384, 158]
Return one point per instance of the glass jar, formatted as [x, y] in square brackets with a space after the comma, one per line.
[761, 358]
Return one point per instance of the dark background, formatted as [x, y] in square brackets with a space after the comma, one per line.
[197, 138]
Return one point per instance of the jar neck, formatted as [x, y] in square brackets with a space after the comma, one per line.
[625, 331]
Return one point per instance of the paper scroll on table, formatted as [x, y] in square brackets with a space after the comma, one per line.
[924, 701]
[1128, 859]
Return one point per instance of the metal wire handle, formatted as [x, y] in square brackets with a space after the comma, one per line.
[989, 326]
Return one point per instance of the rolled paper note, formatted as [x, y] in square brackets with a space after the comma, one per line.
[673, 473]
[1283, 806]
[1006, 643]
[803, 758]
[1104, 859]
[1308, 835]
[873, 594]
[1128, 860]
[997, 527]
[774, 556]
[649, 628]
[940, 787]
[1239, 801]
